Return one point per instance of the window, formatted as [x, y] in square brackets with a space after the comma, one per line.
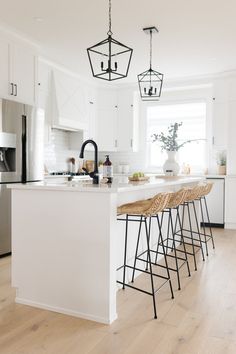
[193, 116]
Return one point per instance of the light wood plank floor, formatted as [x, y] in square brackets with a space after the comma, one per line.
[201, 319]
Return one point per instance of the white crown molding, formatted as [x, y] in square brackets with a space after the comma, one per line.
[17, 35]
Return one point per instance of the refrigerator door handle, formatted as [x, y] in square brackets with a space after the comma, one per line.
[24, 153]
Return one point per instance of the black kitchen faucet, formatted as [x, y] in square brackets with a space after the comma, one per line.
[94, 175]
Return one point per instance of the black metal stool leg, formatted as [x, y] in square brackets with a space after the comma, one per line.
[158, 244]
[183, 205]
[150, 266]
[182, 238]
[164, 254]
[198, 231]
[174, 249]
[208, 219]
[136, 251]
[204, 228]
[125, 251]
[191, 233]
[149, 235]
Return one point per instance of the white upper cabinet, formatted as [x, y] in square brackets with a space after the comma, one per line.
[17, 71]
[91, 131]
[70, 108]
[22, 73]
[127, 121]
[44, 81]
[106, 125]
[4, 72]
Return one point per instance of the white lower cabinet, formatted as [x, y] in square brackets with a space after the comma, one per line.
[230, 197]
[215, 202]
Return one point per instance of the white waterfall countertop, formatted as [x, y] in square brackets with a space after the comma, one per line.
[119, 184]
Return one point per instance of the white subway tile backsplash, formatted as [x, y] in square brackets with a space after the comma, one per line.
[57, 152]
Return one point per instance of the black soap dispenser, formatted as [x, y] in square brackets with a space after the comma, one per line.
[108, 170]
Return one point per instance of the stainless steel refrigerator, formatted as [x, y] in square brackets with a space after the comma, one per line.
[21, 157]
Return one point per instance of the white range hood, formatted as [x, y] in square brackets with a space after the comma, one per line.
[69, 106]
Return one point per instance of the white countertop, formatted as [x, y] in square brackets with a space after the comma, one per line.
[120, 184]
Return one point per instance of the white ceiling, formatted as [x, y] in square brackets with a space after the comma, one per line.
[196, 37]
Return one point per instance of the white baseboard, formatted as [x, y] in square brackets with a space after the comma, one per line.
[65, 311]
[231, 226]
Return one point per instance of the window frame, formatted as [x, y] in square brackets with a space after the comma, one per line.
[205, 100]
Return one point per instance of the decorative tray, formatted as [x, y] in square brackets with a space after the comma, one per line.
[138, 179]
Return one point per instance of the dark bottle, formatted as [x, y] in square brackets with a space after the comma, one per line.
[108, 170]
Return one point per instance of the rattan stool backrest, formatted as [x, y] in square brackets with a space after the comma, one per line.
[177, 198]
[206, 189]
[158, 203]
[146, 207]
[193, 193]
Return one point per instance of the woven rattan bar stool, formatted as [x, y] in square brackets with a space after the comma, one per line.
[171, 242]
[206, 223]
[142, 211]
[191, 237]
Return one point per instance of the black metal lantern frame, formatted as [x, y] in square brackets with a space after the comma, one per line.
[110, 59]
[150, 81]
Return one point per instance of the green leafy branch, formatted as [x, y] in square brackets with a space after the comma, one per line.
[169, 142]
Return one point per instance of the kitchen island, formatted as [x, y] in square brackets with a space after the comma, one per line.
[67, 242]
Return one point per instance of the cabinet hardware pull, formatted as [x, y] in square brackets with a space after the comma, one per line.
[116, 143]
[131, 142]
[15, 94]
[12, 89]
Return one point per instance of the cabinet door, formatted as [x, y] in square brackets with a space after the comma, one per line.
[127, 121]
[107, 128]
[22, 73]
[91, 131]
[230, 196]
[5, 88]
[106, 120]
[125, 126]
[219, 126]
[215, 201]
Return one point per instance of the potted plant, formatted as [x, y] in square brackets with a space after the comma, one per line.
[169, 143]
[221, 162]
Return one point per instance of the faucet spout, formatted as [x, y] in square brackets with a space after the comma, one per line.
[93, 174]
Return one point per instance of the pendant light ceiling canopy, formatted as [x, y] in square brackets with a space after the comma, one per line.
[150, 81]
[109, 59]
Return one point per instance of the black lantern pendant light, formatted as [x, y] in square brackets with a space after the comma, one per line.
[150, 81]
[109, 59]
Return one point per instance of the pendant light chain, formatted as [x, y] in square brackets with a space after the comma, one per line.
[109, 32]
[150, 49]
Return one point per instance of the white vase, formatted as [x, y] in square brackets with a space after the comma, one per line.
[171, 167]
